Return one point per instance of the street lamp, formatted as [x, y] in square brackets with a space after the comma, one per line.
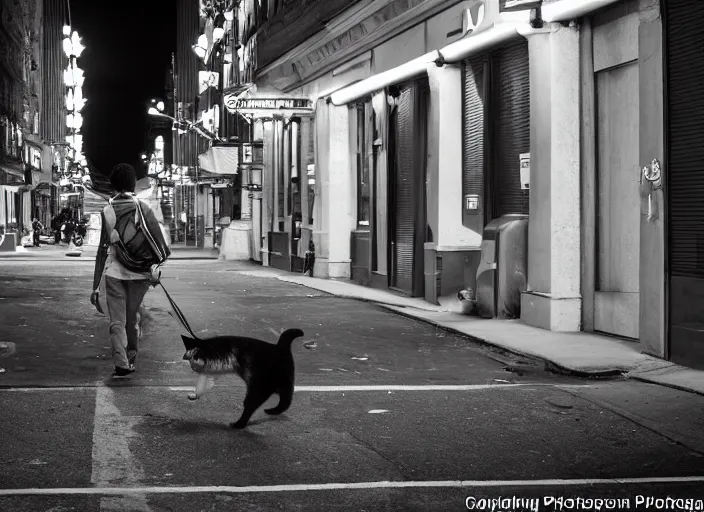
[180, 123]
[201, 47]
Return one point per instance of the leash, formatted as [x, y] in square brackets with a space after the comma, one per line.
[178, 312]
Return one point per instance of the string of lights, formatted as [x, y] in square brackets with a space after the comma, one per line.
[75, 102]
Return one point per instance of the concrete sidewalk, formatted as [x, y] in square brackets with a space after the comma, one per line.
[62, 252]
[580, 353]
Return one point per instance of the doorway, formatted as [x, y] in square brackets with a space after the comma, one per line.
[684, 180]
[407, 206]
[617, 297]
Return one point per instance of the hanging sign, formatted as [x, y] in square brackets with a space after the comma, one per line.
[258, 105]
[524, 159]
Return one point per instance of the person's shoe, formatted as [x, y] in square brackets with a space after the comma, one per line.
[123, 372]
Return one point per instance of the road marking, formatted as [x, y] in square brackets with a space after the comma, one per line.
[113, 463]
[323, 389]
[402, 387]
[353, 486]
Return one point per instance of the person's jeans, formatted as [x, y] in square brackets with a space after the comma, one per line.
[123, 301]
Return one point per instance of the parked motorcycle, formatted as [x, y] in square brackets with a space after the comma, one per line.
[74, 232]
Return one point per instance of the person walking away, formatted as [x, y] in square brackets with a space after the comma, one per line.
[130, 252]
[37, 227]
[56, 226]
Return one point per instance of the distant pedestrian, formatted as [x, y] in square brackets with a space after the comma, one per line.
[56, 226]
[36, 231]
[129, 254]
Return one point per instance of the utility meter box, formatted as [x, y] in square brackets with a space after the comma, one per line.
[502, 271]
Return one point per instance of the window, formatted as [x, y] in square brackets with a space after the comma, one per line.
[294, 200]
[365, 129]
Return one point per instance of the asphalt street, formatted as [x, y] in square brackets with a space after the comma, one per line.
[389, 413]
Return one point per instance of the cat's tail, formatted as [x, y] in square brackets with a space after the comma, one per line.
[288, 336]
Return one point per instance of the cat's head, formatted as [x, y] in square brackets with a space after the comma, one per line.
[189, 343]
[193, 353]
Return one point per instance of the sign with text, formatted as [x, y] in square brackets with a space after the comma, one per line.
[259, 105]
[524, 159]
[471, 202]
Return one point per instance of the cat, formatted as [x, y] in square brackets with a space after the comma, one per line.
[265, 368]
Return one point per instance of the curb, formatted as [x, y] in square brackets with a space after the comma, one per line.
[665, 384]
[361, 299]
[550, 366]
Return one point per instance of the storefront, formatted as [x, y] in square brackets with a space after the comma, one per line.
[439, 153]
[684, 179]
[388, 144]
[275, 192]
[496, 133]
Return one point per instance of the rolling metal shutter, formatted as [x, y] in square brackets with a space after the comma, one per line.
[403, 193]
[685, 170]
[511, 131]
[473, 140]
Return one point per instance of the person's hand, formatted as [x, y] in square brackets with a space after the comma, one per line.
[154, 275]
[95, 300]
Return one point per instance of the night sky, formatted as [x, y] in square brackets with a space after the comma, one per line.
[127, 55]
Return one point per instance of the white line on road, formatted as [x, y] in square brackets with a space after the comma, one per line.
[113, 463]
[409, 387]
[354, 485]
[327, 389]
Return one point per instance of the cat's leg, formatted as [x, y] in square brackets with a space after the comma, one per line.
[205, 382]
[255, 398]
[285, 398]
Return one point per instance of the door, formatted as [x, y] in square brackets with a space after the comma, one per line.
[510, 128]
[684, 180]
[408, 191]
[618, 202]
[257, 225]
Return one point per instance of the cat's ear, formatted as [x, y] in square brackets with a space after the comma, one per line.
[188, 342]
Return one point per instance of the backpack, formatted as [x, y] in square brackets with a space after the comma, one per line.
[134, 245]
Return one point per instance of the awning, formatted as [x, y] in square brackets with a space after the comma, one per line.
[460, 50]
[561, 10]
[377, 82]
[12, 168]
[453, 52]
[92, 202]
[220, 160]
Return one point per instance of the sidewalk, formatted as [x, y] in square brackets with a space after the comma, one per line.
[580, 353]
[88, 252]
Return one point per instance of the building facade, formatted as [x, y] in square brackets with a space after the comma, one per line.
[202, 188]
[403, 138]
[32, 115]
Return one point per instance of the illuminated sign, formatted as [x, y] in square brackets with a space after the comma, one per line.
[257, 105]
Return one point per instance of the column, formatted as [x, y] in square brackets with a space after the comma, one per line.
[451, 258]
[337, 191]
[267, 193]
[445, 142]
[553, 298]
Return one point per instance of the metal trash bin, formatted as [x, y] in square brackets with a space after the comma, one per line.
[501, 275]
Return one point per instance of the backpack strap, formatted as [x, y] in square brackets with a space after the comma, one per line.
[111, 221]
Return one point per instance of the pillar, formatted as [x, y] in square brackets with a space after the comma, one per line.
[267, 186]
[451, 258]
[337, 188]
[445, 136]
[652, 333]
[553, 298]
